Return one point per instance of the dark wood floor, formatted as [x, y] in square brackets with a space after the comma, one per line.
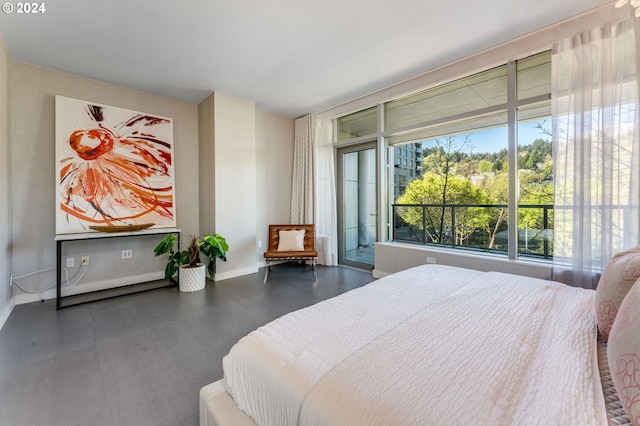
[141, 359]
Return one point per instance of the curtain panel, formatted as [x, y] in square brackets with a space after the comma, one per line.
[313, 190]
[596, 150]
[302, 185]
[326, 207]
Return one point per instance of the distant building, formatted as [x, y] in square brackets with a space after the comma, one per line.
[407, 166]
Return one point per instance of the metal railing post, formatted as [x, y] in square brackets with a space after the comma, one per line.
[545, 225]
[424, 224]
[453, 226]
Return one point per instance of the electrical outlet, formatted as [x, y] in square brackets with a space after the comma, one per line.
[71, 262]
[85, 260]
[431, 260]
[259, 243]
[127, 254]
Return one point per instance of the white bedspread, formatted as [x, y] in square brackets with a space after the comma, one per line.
[430, 345]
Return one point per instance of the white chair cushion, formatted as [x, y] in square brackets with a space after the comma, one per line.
[291, 240]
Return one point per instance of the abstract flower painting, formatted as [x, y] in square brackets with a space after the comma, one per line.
[114, 167]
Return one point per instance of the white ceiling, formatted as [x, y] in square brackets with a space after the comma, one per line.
[289, 56]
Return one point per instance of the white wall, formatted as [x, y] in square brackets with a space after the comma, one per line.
[253, 156]
[394, 257]
[234, 192]
[6, 298]
[32, 179]
[206, 169]
[274, 170]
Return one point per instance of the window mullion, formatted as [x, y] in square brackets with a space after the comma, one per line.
[382, 178]
[512, 152]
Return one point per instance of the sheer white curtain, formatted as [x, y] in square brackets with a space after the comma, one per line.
[326, 209]
[302, 186]
[596, 149]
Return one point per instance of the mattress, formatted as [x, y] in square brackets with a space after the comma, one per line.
[428, 345]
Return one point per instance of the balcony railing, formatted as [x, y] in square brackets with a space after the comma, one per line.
[479, 227]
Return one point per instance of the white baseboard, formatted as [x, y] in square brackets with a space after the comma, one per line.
[4, 315]
[112, 283]
[235, 273]
[22, 298]
[84, 288]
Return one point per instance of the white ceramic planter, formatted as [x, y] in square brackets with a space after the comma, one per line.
[192, 279]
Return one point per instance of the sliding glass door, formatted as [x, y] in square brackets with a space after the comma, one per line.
[357, 204]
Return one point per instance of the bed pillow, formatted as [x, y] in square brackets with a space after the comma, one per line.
[291, 240]
[616, 280]
[623, 353]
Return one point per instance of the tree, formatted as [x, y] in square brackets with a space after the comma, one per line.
[447, 153]
[536, 188]
[438, 226]
[453, 174]
[485, 166]
[497, 191]
[534, 156]
[532, 219]
[536, 185]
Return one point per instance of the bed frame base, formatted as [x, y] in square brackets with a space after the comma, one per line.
[218, 409]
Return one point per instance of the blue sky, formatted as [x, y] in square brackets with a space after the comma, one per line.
[495, 139]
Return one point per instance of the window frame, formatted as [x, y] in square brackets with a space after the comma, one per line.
[391, 151]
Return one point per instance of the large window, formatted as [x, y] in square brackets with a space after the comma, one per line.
[471, 160]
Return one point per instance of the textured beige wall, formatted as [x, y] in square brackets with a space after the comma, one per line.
[206, 156]
[5, 220]
[274, 169]
[248, 173]
[33, 91]
[235, 182]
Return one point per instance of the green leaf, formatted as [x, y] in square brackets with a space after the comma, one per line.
[172, 266]
[184, 258]
[166, 245]
[215, 246]
[211, 267]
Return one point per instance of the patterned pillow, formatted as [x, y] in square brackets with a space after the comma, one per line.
[291, 240]
[623, 352]
[616, 280]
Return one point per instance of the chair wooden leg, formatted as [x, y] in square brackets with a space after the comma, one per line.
[266, 272]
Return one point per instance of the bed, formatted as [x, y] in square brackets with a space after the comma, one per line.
[430, 345]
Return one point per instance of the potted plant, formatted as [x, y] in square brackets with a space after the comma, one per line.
[192, 271]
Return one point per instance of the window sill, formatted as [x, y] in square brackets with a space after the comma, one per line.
[391, 257]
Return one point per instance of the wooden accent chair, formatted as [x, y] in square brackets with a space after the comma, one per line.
[291, 251]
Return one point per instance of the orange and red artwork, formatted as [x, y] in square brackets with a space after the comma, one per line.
[114, 167]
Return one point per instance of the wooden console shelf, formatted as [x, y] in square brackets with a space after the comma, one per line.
[90, 296]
